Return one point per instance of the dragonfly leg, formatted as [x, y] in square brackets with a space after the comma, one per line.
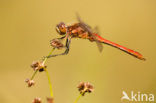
[65, 52]
[61, 37]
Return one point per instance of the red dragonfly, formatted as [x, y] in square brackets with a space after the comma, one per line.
[84, 31]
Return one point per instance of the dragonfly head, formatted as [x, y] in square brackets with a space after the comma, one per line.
[61, 28]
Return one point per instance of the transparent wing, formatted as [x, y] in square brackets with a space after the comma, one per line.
[88, 28]
[84, 25]
[99, 45]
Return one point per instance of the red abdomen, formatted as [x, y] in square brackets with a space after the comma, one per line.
[129, 51]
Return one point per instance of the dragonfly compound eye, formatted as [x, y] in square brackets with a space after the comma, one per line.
[61, 28]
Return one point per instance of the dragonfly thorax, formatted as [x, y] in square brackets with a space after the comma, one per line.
[77, 32]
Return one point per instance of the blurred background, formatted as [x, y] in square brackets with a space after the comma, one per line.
[27, 26]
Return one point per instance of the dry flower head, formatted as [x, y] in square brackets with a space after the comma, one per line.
[37, 100]
[85, 87]
[50, 100]
[29, 82]
[56, 43]
[36, 65]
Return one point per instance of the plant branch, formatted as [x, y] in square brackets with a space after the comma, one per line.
[78, 97]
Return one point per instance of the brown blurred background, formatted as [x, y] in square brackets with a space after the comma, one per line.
[26, 26]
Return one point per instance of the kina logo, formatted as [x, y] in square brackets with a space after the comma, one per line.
[137, 97]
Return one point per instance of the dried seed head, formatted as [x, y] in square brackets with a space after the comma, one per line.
[50, 100]
[85, 87]
[37, 100]
[30, 82]
[36, 65]
[56, 43]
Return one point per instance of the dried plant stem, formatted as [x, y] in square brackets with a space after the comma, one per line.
[49, 81]
[78, 97]
[50, 84]
[33, 75]
[45, 59]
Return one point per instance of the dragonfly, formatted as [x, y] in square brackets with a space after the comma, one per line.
[84, 31]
